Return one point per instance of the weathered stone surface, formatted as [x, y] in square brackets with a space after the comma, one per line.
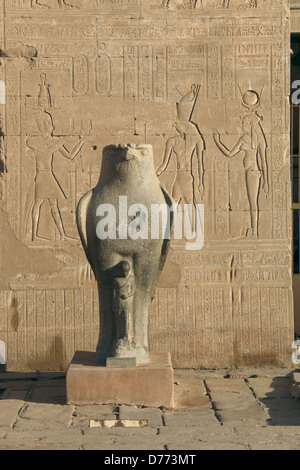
[44, 416]
[127, 268]
[282, 411]
[244, 408]
[44, 426]
[190, 392]
[206, 84]
[153, 416]
[89, 383]
[275, 387]
[82, 415]
[54, 395]
[9, 411]
[39, 439]
[121, 439]
[205, 435]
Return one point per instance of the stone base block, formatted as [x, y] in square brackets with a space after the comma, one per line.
[150, 384]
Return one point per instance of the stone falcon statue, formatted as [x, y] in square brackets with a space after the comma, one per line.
[127, 263]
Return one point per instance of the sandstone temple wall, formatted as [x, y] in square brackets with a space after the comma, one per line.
[206, 81]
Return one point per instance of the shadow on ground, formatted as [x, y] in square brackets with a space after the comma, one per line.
[35, 387]
[282, 408]
[273, 393]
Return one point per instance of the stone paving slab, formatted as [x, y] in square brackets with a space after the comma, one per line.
[49, 394]
[269, 437]
[36, 438]
[121, 439]
[15, 376]
[152, 415]
[282, 411]
[262, 372]
[215, 410]
[190, 391]
[188, 418]
[82, 415]
[19, 395]
[17, 384]
[9, 410]
[199, 437]
[40, 416]
[233, 401]
[271, 387]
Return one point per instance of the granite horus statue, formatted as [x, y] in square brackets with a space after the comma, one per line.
[126, 268]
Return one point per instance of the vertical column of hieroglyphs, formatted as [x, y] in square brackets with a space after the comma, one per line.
[279, 164]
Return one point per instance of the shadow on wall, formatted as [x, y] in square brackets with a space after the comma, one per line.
[52, 360]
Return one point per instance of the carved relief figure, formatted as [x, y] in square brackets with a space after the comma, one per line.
[44, 97]
[61, 4]
[183, 147]
[187, 148]
[47, 186]
[123, 292]
[252, 3]
[179, 4]
[249, 3]
[253, 144]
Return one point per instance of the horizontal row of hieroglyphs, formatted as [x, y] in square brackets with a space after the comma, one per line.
[139, 32]
[146, 67]
[255, 258]
[191, 275]
[245, 50]
[200, 275]
[193, 52]
[143, 65]
[152, 5]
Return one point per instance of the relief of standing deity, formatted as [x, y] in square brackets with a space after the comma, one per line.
[46, 183]
[187, 149]
[254, 146]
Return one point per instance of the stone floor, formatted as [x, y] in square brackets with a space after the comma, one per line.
[215, 410]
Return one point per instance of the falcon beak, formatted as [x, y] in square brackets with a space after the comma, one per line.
[130, 152]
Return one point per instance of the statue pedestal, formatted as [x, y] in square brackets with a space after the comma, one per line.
[150, 384]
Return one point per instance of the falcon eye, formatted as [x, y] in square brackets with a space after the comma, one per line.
[145, 152]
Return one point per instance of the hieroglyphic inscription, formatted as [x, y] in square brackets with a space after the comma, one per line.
[160, 73]
[228, 73]
[213, 72]
[49, 32]
[278, 123]
[80, 74]
[253, 56]
[145, 73]
[103, 74]
[130, 72]
[110, 71]
[221, 198]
